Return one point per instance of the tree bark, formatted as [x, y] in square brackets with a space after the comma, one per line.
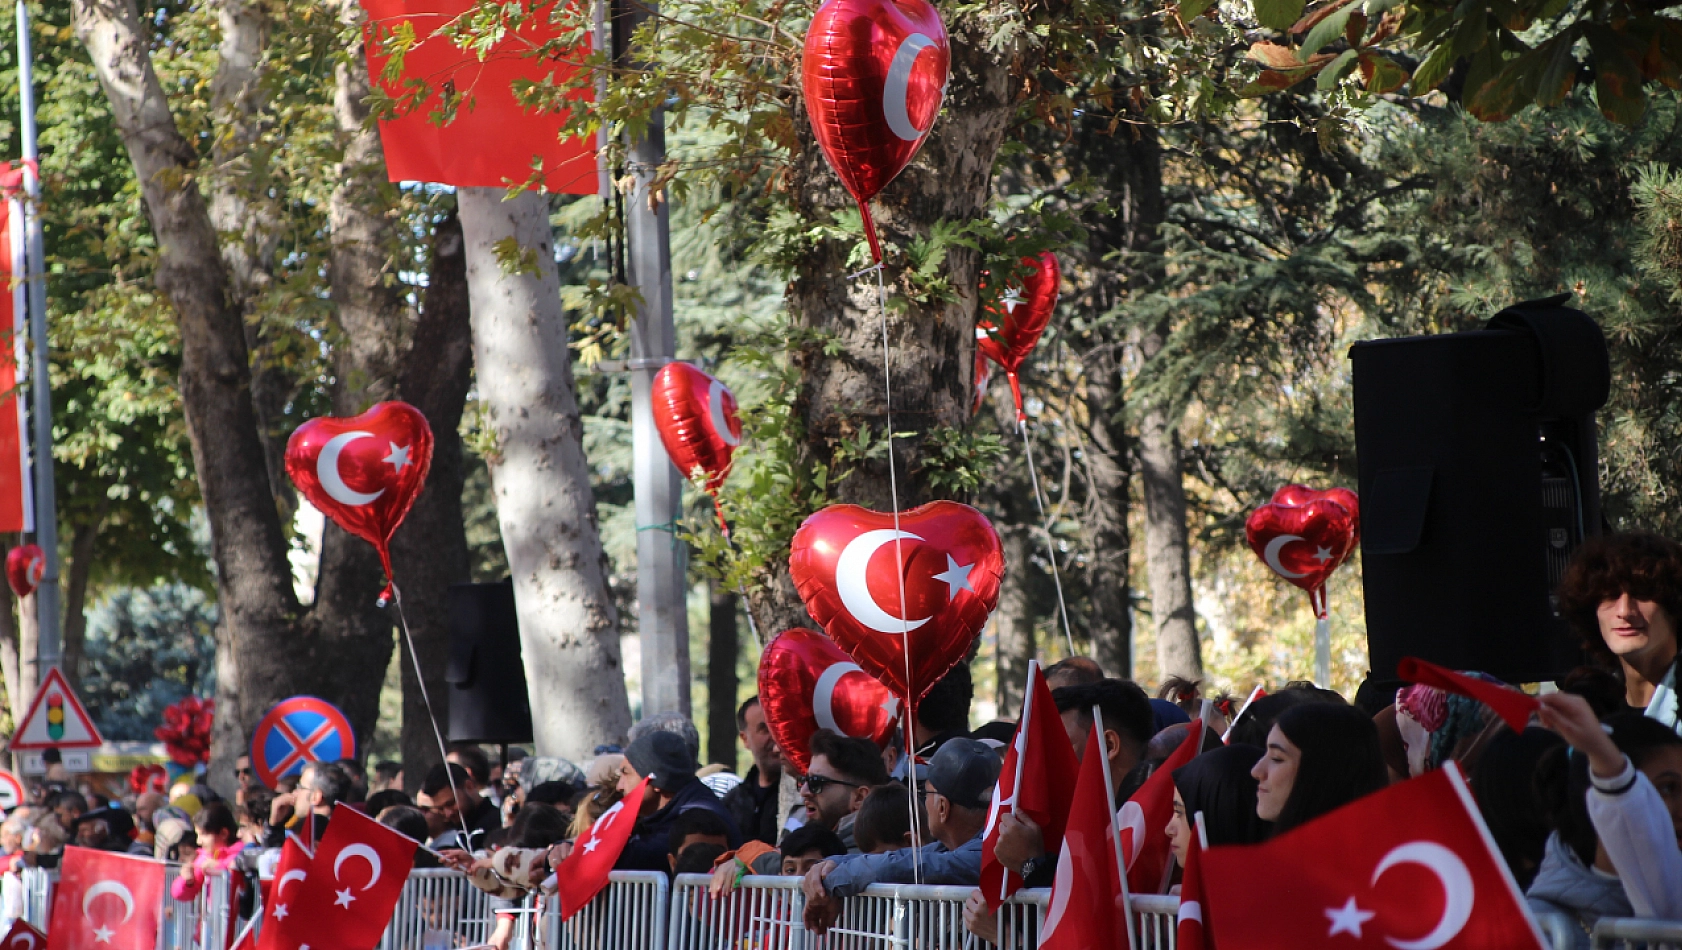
[29, 644]
[723, 644]
[1167, 541]
[73, 634]
[569, 630]
[1014, 620]
[430, 550]
[1108, 539]
[10, 667]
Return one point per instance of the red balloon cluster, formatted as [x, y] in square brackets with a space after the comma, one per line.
[696, 417]
[1018, 317]
[1304, 535]
[850, 565]
[26, 564]
[806, 683]
[364, 472]
[148, 778]
[874, 74]
[186, 730]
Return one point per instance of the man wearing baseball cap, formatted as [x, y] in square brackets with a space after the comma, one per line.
[956, 795]
[672, 789]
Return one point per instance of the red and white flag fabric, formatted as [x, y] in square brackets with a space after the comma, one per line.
[16, 512]
[1512, 706]
[1144, 820]
[1037, 780]
[280, 897]
[491, 139]
[106, 901]
[1412, 866]
[584, 873]
[1088, 906]
[1190, 933]
[23, 937]
[345, 899]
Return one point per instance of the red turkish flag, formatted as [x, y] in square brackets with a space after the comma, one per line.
[584, 873]
[346, 898]
[492, 139]
[1410, 866]
[1512, 706]
[1189, 927]
[1088, 904]
[1144, 820]
[1037, 781]
[23, 937]
[106, 900]
[280, 899]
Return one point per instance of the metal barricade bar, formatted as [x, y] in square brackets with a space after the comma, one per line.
[1156, 920]
[630, 913]
[1618, 933]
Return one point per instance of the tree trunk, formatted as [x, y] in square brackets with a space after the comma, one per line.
[10, 667]
[1167, 541]
[430, 550]
[569, 630]
[1109, 543]
[29, 645]
[723, 644]
[228, 739]
[1014, 620]
[74, 632]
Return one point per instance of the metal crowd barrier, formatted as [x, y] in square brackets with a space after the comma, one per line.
[439, 907]
[629, 914]
[199, 924]
[1628, 933]
[1156, 918]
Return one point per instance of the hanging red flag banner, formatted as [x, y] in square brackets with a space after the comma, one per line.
[15, 509]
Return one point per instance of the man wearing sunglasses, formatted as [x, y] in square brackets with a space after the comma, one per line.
[841, 774]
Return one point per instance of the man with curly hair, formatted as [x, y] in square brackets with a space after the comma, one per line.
[1623, 594]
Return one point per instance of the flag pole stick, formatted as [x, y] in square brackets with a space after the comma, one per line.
[1115, 831]
[1016, 783]
[1240, 714]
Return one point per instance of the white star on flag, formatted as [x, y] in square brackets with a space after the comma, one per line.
[280, 912]
[344, 898]
[1348, 919]
[955, 577]
[590, 846]
[1012, 299]
[103, 935]
[398, 457]
[1322, 554]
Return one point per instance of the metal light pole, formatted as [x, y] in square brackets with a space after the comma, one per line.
[46, 505]
[662, 568]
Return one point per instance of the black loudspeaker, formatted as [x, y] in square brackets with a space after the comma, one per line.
[1478, 479]
[487, 678]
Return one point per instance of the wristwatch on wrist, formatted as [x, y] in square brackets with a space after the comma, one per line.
[1032, 865]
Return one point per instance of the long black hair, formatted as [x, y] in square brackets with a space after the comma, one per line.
[1218, 783]
[1341, 760]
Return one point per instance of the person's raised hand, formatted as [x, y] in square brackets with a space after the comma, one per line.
[1570, 716]
[456, 858]
[281, 808]
[723, 882]
[812, 884]
[1019, 839]
[978, 919]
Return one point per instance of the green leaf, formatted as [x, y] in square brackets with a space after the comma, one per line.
[1617, 77]
[1325, 32]
[1560, 73]
[1382, 73]
[1278, 14]
[1433, 71]
[1330, 76]
[1192, 9]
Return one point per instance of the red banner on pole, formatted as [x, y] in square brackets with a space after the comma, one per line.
[14, 457]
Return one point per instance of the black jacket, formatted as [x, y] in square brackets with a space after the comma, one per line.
[754, 809]
[648, 847]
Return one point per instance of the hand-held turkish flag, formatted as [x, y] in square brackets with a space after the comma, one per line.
[106, 900]
[1144, 820]
[354, 880]
[1410, 866]
[1036, 781]
[1190, 933]
[584, 873]
[1088, 909]
[280, 900]
[1512, 706]
[23, 937]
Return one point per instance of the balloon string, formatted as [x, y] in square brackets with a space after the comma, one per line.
[741, 589]
[1045, 523]
[426, 700]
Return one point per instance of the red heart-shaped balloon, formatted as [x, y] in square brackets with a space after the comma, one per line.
[1018, 317]
[846, 564]
[873, 73]
[1295, 494]
[26, 564]
[363, 472]
[806, 683]
[1302, 543]
[696, 416]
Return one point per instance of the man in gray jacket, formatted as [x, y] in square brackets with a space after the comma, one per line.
[957, 793]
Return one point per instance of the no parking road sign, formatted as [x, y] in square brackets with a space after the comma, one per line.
[296, 731]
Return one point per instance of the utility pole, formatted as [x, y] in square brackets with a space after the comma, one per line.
[662, 559]
[46, 504]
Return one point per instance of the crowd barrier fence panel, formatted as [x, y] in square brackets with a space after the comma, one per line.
[1156, 920]
[37, 895]
[630, 913]
[1627, 933]
[437, 902]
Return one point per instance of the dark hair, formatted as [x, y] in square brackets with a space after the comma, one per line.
[1219, 784]
[216, 816]
[999, 730]
[474, 760]
[742, 712]
[812, 837]
[694, 821]
[358, 776]
[331, 780]
[883, 818]
[946, 707]
[440, 776]
[1639, 737]
[1601, 688]
[1642, 564]
[1124, 704]
[857, 760]
[259, 801]
[72, 799]
[380, 801]
[1562, 787]
[538, 826]
[1079, 670]
[1176, 688]
[698, 859]
[1341, 760]
[1256, 720]
[387, 770]
[404, 819]
[1505, 788]
[552, 793]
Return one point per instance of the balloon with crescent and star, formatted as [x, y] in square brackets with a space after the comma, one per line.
[1019, 316]
[914, 596]
[364, 472]
[807, 683]
[1303, 536]
[696, 417]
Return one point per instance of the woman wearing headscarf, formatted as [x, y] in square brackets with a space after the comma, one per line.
[1219, 785]
[1319, 757]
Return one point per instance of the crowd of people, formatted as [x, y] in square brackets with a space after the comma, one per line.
[1585, 804]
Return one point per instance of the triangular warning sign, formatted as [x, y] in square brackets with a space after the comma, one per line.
[56, 720]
